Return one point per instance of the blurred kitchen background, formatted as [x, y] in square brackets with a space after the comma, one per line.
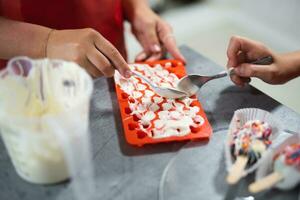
[207, 25]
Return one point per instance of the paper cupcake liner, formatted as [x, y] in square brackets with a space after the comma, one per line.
[266, 166]
[239, 118]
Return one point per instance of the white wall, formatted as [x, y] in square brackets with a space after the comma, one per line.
[282, 15]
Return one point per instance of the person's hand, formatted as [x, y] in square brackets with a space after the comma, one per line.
[155, 36]
[89, 49]
[241, 51]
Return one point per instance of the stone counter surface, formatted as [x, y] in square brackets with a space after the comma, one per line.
[161, 171]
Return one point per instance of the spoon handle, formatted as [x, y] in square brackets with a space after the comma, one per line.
[144, 79]
[267, 60]
[220, 75]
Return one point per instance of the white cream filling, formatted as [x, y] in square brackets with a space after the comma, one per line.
[154, 107]
[149, 93]
[141, 87]
[173, 117]
[158, 99]
[167, 106]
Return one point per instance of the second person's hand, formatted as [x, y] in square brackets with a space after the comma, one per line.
[89, 49]
[155, 36]
[241, 51]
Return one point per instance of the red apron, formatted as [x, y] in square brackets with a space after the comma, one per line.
[105, 16]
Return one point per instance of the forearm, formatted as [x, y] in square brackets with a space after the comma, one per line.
[19, 38]
[132, 8]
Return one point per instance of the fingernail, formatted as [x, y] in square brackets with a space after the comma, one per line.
[128, 74]
[156, 48]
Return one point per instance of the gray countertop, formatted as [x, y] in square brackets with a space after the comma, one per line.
[185, 170]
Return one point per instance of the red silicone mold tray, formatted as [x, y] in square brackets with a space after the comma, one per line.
[135, 136]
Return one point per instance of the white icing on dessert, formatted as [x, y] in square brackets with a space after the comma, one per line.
[175, 115]
[141, 87]
[149, 93]
[159, 117]
[137, 95]
[159, 124]
[146, 101]
[158, 99]
[198, 119]
[154, 107]
[148, 117]
[167, 106]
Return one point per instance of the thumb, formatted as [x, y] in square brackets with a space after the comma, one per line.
[251, 70]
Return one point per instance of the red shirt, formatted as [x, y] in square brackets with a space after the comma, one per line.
[105, 16]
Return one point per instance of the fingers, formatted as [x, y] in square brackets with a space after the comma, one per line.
[113, 55]
[155, 57]
[100, 62]
[240, 51]
[141, 57]
[233, 48]
[251, 49]
[168, 40]
[236, 79]
[240, 81]
[251, 70]
[148, 38]
[171, 47]
[91, 69]
[157, 33]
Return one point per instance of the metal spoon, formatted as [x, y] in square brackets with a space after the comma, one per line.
[162, 91]
[192, 83]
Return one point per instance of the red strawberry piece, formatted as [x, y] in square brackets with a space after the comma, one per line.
[141, 134]
[127, 110]
[136, 118]
[132, 126]
[124, 95]
[131, 100]
[146, 125]
[195, 129]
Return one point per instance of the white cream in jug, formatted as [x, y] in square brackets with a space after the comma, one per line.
[49, 92]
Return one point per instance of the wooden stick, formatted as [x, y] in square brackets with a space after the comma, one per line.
[237, 169]
[266, 182]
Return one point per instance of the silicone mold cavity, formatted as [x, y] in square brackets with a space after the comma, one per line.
[134, 132]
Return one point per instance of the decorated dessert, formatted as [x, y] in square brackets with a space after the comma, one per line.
[286, 170]
[248, 144]
[151, 115]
